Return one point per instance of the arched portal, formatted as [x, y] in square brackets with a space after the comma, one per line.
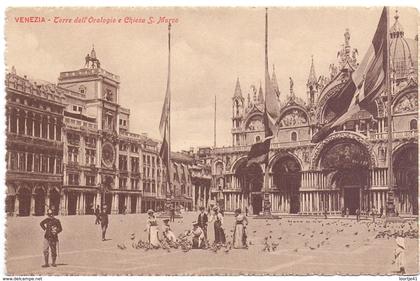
[54, 201]
[286, 177]
[405, 166]
[250, 180]
[39, 202]
[72, 203]
[24, 196]
[346, 162]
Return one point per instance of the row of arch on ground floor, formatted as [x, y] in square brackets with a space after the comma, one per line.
[25, 203]
[320, 202]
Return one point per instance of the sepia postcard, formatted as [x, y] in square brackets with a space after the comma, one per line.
[211, 141]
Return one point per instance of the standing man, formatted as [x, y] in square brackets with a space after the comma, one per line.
[373, 213]
[52, 228]
[202, 221]
[97, 212]
[103, 216]
[172, 212]
[357, 214]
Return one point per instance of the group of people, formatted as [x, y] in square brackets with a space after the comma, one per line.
[199, 233]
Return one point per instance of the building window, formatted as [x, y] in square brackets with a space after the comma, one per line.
[90, 157]
[123, 163]
[51, 164]
[90, 180]
[73, 179]
[74, 107]
[72, 154]
[293, 136]
[413, 124]
[30, 159]
[58, 166]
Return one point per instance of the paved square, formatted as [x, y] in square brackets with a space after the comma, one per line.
[306, 246]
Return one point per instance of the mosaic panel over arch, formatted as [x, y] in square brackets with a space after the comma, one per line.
[334, 138]
[293, 117]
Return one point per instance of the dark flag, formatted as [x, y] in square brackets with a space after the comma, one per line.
[259, 151]
[164, 125]
[367, 82]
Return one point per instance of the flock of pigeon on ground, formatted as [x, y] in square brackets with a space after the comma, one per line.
[313, 233]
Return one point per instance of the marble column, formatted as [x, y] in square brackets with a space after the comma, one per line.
[16, 212]
[32, 212]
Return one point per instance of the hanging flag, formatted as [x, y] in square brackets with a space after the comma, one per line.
[259, 151]
[367, 82]
[165, 124]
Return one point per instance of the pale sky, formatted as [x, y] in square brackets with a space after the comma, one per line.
[211, 47]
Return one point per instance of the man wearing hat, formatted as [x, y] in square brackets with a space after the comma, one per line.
[202, 221]
[103, 216]
[52, 228]
[198, 236]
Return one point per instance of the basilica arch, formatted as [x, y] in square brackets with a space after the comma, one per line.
[286, 177]
[249, 180]
[405, 169]
[346, 162]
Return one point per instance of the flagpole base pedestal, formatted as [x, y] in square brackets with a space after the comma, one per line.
[266, 214]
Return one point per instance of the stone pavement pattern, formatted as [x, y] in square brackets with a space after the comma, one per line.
[306, 246]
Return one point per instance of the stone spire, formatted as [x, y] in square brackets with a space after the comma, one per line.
[312, 76]
[312, 84]
[274, 83]
[260, 95]
[238, 91]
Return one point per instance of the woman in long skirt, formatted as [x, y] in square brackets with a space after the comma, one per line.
[219, 233]
[152, 229]
[210, 225]
[239, 233]
[399, 253]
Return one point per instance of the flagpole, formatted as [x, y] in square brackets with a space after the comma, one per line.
[391, 207]
[169, 112]
[214, 140]
[265, 197]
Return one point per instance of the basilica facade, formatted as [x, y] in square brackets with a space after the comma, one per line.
[348, 169]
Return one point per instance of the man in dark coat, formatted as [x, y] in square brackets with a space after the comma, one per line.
[97, 212]
[172, 213]
[103, 216]
[202, 221]
[52, 228]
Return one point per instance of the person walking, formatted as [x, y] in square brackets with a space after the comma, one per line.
[52, 228]
[103, 217]
[97, 212]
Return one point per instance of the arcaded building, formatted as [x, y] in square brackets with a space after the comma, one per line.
[348, 169]
[69, 147]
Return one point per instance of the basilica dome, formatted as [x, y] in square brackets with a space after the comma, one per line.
[403, 51]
